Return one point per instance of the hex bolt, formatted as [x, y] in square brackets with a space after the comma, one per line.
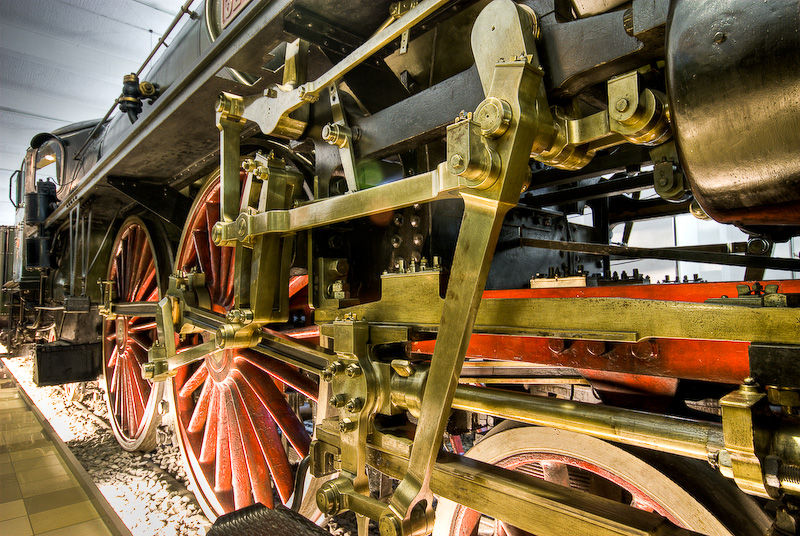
[457, 161]
[346, 425]
[353, 370]
[354, 405]
[331, 370]
[338, 401]
[216, 233]
[622, 105]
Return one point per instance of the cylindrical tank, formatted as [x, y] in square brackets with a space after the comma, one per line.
[41, 203]
[733, 74]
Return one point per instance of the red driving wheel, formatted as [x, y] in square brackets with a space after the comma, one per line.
[231, 410]
[135, 271]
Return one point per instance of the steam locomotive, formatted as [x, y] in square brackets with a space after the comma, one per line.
[362, 253]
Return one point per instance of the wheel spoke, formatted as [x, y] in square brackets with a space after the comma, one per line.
[140, 354]
[200, 240]
[277, 406]
[222, 468]
[212, 216]
[268, 439]
[210, 432]
[118, 275]
[297, 283]
[256, 463]
[141, 340]
[138, 395]
[143, 327]
[140, 263]
[282, 372]
[112, 361]
[225, 269]
[242, 493]
[129, 257]
[148, 284]
[200, 413]
[195, 381]
[115, 372]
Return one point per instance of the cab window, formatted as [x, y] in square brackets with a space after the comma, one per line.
[48, 164]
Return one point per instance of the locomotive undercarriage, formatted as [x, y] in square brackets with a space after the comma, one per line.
[387, 259]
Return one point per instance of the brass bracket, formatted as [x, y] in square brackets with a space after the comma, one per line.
[157, 366]
[107, 292]
[469, 155]
[635, 114]
[745, 443]
[339, 134]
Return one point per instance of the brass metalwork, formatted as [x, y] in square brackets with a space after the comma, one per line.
[696, 439]
[273, 110]
[470, 156]
[529, 503]
[339, 134]
[670, 183]
[411, 508]
[581, 318]
[230, 124]
[744, 441]
[431, 186]
[635, 115]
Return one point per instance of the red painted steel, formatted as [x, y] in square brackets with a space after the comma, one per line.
[717, 361]
[565, 471]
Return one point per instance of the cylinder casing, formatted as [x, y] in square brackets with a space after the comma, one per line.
[733, 73]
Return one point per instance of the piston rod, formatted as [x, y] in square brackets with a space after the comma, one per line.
[675, 435]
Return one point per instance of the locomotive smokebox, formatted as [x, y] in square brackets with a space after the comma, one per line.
[733, 73]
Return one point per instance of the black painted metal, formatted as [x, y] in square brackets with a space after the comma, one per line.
[161, 200]
[775, 365]
[603, 188]
[669, 254]
[59, 362]
[258, 520]
[733, 72]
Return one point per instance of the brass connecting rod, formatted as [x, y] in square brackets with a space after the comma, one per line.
[675, 435]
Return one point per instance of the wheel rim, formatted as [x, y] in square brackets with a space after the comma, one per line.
[585, 463]
[132, 401]
[231, 412]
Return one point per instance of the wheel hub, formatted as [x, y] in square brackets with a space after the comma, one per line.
[122, 333]
[219, 364]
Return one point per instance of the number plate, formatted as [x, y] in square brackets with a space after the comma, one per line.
[231, 8]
